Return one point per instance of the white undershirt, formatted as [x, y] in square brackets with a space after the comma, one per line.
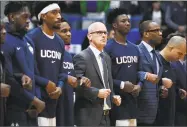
[51, 37]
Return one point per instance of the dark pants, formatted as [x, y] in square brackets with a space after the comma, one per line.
[166, 110]
[65, 115]
[19, 118]
[105, 121]
[180, 119]
[2, 111]
[144, 124]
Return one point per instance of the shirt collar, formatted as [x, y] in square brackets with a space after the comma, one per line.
[148, 47]
[182, 62]
[95, 51]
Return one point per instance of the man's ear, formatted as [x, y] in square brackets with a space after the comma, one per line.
[89, 37]
[11, 17]
[170, 47]
[114, 25]
[146, 34]
[43, 16]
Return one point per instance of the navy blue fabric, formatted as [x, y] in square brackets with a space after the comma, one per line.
[125, 67]
[148, 97]
[181, 104]
[14, 53]
[65, 110]
[49, 57]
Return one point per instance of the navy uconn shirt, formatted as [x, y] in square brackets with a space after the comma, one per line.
[49, 57]
[68, 64]
[125, 67]
[14, 50]
[65, 112]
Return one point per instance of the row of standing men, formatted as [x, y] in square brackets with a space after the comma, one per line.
[144, 78]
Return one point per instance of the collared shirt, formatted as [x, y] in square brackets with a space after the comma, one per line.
[149, 49]
[96, 52]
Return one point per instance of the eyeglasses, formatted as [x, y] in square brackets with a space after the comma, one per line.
[155, 30]
[100, 32]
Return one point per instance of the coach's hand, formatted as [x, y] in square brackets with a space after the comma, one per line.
[56, 93]
[117, 100]
[104, 93]
[26, 82]
[72, 81]
[5, 90]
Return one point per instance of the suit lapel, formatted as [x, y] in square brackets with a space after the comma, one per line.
[147, 55]
[95, 64]
[180, 66]
[160, 63]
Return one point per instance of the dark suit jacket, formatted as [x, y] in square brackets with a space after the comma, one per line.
[148, 97]
[88, 107]
[2, 100]
[181, 104]
[181, 75]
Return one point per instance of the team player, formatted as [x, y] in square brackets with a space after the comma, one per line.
[64, 116]
[125, 67]
[49, 52]
[18, 15]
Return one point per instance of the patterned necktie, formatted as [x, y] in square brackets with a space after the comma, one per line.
[154, 61]
[105, 77]
[184, 65]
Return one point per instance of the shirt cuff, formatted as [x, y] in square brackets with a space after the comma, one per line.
[145, 77]
[122, 84]
[60, 84]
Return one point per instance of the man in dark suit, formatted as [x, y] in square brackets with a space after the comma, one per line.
[93, 104]
[181, 97]
[174, 50]
[150, 74]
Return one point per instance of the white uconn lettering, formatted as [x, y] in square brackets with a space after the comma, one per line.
[50, 54]
[68, 65]
[126, 59]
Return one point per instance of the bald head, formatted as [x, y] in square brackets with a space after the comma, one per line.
[175, 49]
[97, 35]
[96, 26]
[177, 41]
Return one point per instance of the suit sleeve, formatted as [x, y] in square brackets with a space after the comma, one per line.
[141, 74]
[110, 77]
[80, 68]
